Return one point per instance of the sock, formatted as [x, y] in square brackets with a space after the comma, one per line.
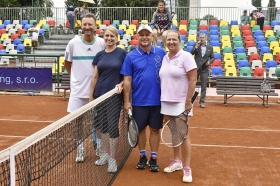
[99, 142]
[80, 145]
[153, 155]
[142, 152]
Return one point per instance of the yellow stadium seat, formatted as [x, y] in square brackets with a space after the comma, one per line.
[4, 36]
[216, 49]
[27, 42]
[229, 64]
[144, 22]
[223, 22]
[228, 56]
[269, 33]
[166, 49]
[183, 27]
[132, 27]
[231, 71]
[78, 24]
[276, 50]
[119, 37]
[226, 43]
[273, 44]
[1, 22]
[192, 37]
[54, 69]
[235, 33]
[121, 46]
[130, 32]
[123, 27]
[234, 27]
[41, 23]
[225, 38]
[98, 23]
[252, 23]
[267, 56]
[61, 61]
[175, 22]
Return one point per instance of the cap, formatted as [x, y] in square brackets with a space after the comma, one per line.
[145, 27]
[34, 23]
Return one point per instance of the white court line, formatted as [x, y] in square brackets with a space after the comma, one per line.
[240, 147]
[9, 136]
[26, 120]
[236, 129]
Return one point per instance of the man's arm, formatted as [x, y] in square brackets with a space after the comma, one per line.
[67, 65]
[127, 92]
[211, 60]
[194, 50]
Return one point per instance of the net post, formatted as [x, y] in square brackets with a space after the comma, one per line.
[12, 167]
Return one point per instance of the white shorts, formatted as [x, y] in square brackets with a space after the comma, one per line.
[76, 103]
[173, 108]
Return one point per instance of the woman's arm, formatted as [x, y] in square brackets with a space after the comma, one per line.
[93, 82]
[192, 75]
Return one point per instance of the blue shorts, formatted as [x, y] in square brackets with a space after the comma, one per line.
[147, 115]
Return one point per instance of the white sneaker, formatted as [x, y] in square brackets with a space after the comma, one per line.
[103, 159]
[187, 175]
[174, 166]
[112, 165]
[99, 152]
[80, 155]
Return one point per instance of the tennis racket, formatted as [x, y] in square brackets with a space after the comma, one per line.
[133, 133]
[265, 86]
[175, 130]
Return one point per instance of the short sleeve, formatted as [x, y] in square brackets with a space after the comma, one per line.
[127, 66]
[69, 52]
[189, 62]
[96, 58]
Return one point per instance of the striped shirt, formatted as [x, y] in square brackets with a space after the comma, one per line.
[258, 14]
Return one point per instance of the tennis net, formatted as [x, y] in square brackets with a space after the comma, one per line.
[49, 157]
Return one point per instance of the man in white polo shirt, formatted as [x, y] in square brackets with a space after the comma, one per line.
[34, 33]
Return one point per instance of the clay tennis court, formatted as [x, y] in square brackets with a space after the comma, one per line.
[237, 144]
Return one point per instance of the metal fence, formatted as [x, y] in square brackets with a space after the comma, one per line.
[130, 13]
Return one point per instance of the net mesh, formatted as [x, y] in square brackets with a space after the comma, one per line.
[52, 159]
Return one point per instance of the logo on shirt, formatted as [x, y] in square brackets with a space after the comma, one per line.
[88, 49]
[157, 59]
[66, 56]
[175, 62]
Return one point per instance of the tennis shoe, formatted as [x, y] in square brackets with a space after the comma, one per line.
[80, 155]
[112, 165]
[142, 163]
[174, 166]
[153, 165]
[187, 178]
[99, 152]
[103, 159]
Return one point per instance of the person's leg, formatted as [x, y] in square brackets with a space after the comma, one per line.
[186, 152]
[203, 80]
[261, 22]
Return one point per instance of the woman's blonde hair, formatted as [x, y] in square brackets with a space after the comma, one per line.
[154, 42]
[112, 29]
[85, 5]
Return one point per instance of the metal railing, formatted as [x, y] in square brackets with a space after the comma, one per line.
[131, 13]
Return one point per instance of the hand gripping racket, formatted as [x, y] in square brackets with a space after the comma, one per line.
[175, 130]
[265, 86]
[133, 133]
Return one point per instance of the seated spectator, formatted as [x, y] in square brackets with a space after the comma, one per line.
[245, 19]
[34, 33]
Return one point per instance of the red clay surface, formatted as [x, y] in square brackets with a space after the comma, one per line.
[237, 144]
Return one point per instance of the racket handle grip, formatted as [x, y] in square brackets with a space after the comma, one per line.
[129, 112]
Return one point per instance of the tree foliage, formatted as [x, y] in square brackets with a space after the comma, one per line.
[271, 12]
[257, 3]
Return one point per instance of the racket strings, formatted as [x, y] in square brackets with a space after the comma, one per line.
[132, 133]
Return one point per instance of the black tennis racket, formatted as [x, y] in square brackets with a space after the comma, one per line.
[265, 86]
[133, 133]
[175, 130]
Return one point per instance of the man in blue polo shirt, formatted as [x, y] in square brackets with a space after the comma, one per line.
[141, 77]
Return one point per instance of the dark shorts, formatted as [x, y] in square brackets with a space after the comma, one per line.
[147, 115]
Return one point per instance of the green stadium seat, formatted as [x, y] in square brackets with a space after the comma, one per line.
[237, 38]
[245, 72]
[46, 27]
[241, 56]
[277, 34]
[224, 27]
[271, 38]
[224, 32]
[227, 50]
[193, 22]
[238, 44]
[32, 21]
[266, 22]
[23, 36]
[192, 27]
[116, 22]
[256, 27]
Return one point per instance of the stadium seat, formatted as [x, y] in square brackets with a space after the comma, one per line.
[241, 56]
[15, 22]
[256, 64]
[189, 48]
[42, 32]
[258, 33]
[233, 22]
[266, 22]
[248, 38]
[274, 23]
[7, 41]
[216, 71]
[273, 44]
[132, 27]
[276, 50]
[235, 33]
[4, 61]
[266, 27]
[243, 63]
[224, 32]
[144, 22]
[216, 49]
[203, 32]
[203, 27]
[14, 36]
[213, 22]
[245, 72]
[277, 58]
[19, 26]
[267, 56]
[183, 27]
[249, 44]
[260, 38]
[135, 22]
[2, 26]
[123, 42]
[234, 27]
[174, 27]
[254, 57]
[116, 22]
[252, 23]
[237, 44]
[261, 44]
[228, 56]
[256, 27]
[224, 27]
[277, 29]
[229, 64]
[43, 22]
[27, 42]
[214, 32]
[121, 46]
[226, 44]
[247, 33]
[191, 43]
[12, 31]
[216, 62]
[175, 22]
[9, 26]
[98, 22]
[240, 49]
[183, 32]
[264, 49]
[271, 72]
[129, 31]
[24, 22]
[192, 37]
[183, 38]
[46, 27]
[134, 42]
[125, 22]
[268, 33]
[7, 22]
[227, 50]
[135, 36]
[259, 72]
[17, 41]
[192, 32]
[223, 22]
[123, 27]
[10, 47]
[231, 71]
[203, 22]
[4, 36]
[32, 21]
[106, 22]
[236, 38]
[2, 51]
[214, 38]
[252, 50]
[2, 31]
[225, 38]
[217, 56]
[214, 27]
[271, 38]
[245, 27]
[193, 22]
[120, 32]
[26, 27]
[214, 43]
[183, 22]
[51, 23]
[269, 64]
[2, 47]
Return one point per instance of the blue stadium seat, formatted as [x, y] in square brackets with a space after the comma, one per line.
[262, 44]
[17, 41]
[243, 63]
[174, 27]
[191, 43]
[2, 51]
[189, 48]
[264, 49]
[274, 23]
[114, 25]
[214, 32]
[217, 56]
[203, 32]
[6, 22]
[41, 32]
[214, 38]
[214, 43]
[270, 63]
[26, 27]
[2, 26]
[217, 71]
[239, 50]
[233, 22]
[24, 22]
[258, 33]
[183, 38]
[159, 43]
[120, 31]
[260, 38]
[20, 48]
[214, 27]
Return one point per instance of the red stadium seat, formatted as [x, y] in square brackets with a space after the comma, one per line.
[134, 42]
[216, 62]
[67, 24]
[259, 72]
[245, 27]
[203, 27]
[107, 22]
[1, 47]
[250, 44]
[246, 33]
[51, 23]
[14, 36]
[254, 57]
[183, 22]
[2, 31]
[183, 32]
[135, 22]
[213, 22]
[135, 36]
[21, 31]
[248, 38]
[277, 58]
[266, 27]
[97, 31]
